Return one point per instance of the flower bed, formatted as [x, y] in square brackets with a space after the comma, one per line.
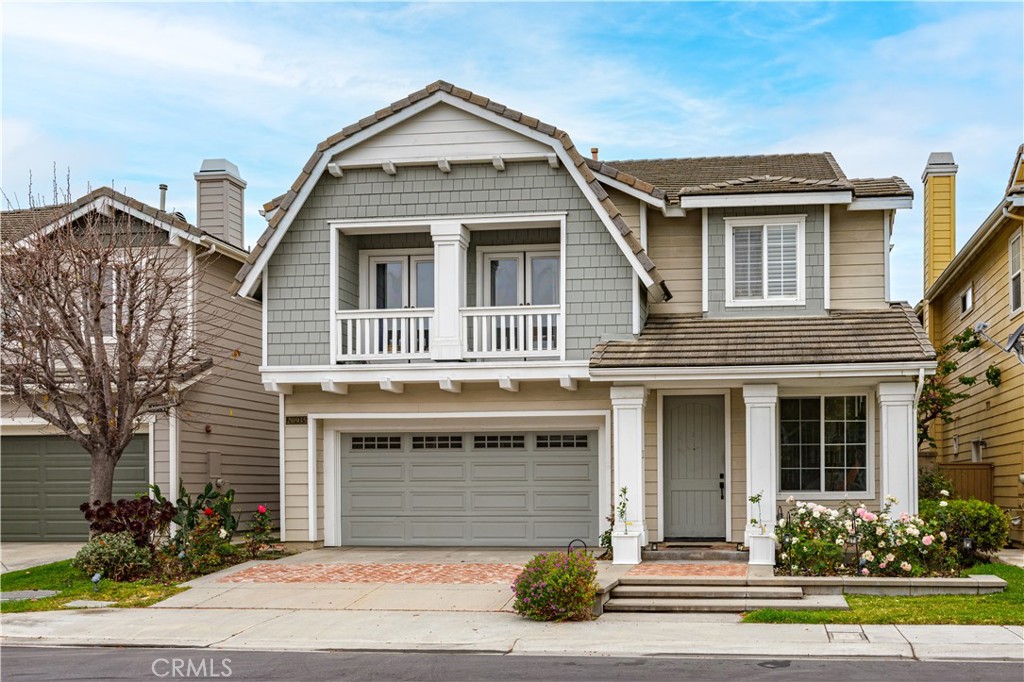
[817, 540]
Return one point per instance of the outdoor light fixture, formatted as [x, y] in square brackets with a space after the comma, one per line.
[96, 582]
[1015, 343]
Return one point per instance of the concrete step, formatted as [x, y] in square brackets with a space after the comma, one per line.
[814, 603]
[695, 554]
[705, 592]
[682, 580]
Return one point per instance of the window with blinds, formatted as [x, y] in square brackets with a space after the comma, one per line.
[765, 260]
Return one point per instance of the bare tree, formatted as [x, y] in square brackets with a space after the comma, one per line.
[96, 330]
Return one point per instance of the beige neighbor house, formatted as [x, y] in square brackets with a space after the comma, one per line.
[478, 336]
[225, 433]
[980, 286]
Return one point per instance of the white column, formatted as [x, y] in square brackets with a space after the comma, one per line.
[628, 450]
[899, 444]
[450, 243]
[761, 402]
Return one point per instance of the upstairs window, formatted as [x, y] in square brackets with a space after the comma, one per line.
[1016, 257]
[967, 300]
[765, 260]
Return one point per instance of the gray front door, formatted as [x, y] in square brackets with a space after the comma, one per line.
[44, 479]
[694, 468]
[507, 488]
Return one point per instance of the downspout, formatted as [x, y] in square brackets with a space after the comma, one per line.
[1007, 214]
[920, 387]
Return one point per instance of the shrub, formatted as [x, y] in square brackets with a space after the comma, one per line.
[984, 523]
[144, 517]
[207, 545]
[258, 536]
[115, 556]
[190, 511]
[557, 586]
[931, 483]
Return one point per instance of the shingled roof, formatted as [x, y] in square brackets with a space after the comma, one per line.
[279, 207]
[18, 223]
[758, 174]
[859, 336]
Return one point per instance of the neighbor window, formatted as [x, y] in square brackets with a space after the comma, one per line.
[765, 260]
[967, 299]
[1016, 257]
[823, 444]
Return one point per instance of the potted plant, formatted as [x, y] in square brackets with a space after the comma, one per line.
[625, 540]
[760, 543]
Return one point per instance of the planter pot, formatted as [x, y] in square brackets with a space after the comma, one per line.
[762, 550]
[626, 548]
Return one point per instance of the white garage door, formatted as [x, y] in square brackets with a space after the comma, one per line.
[498, 489]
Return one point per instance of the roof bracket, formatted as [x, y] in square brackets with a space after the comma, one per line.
[389, 167]
[444, 165]
[507, 384]
[499, 163]
[553, 160]
[568, 383]
[387, 384]
[335, 170]
[450, 386]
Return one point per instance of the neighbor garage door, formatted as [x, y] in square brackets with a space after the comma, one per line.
[499, 489]
[46, 478]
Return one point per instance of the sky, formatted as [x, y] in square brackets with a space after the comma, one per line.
[136, 94]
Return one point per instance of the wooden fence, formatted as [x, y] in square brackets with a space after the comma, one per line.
[971, 480]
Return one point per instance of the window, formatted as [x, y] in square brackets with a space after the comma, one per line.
[376, 442]
[522, 278]
[438, 442]
[765, 260]
[562, 441]
[499, 441]
[967, 300]
[1016, 257]
[401, 282]
[823, 444]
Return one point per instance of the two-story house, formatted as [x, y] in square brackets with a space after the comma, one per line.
[980, 286]
[225, 432]
[479, 336]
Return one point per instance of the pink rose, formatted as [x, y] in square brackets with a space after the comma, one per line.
[927, 540]
[864, 571]
[261, 509]
[208, 511]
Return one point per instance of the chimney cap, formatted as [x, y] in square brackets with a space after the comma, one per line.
[217, 167]
[593, 153]
[939, 163]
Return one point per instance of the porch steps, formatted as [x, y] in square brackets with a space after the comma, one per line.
[694, 554]
[662, 594]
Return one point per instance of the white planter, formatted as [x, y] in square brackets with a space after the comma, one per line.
[626, 548]
[762, 550]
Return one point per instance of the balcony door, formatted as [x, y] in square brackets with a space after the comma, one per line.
[522, 278]
[397, 283]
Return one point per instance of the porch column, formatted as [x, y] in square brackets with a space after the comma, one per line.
[628, 443]
[899, 444]
[762, 438]
[450, 243]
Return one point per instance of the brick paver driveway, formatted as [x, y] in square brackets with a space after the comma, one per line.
[384, 573]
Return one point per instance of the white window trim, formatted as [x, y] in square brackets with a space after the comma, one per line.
[969, 292]
[522, 252]
[872, 437]
[1019, 237]
[369, 257]
[762, 221]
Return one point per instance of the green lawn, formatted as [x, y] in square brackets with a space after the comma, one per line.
[1004, 608]
[73, 585]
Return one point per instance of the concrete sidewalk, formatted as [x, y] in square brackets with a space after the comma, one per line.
[611, 635]
[15, 556]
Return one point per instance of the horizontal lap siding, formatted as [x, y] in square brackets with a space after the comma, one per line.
[674, 244]
[857, 259]
[995, 415]
[599, 280]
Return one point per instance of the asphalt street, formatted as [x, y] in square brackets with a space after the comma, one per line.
[51, 663]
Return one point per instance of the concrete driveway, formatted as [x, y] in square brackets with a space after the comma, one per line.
[15, 556]
[367, 579]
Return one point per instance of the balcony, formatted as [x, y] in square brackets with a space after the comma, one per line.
[515, 332]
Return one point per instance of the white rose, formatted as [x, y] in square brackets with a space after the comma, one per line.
[223, 533]
[943, 503]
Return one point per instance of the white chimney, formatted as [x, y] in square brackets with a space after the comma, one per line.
[220, 201]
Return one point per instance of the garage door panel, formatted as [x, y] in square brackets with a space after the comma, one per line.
[503, 490]
[512, 471]
[438, 471]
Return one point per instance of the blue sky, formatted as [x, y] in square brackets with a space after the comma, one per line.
[139, 94]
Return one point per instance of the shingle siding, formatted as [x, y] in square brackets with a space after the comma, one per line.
[599, 280]
[814, 267]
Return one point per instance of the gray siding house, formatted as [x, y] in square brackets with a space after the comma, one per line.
[226, 432]
[478, 335]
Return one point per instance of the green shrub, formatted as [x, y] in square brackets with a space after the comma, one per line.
[189, 511]
[984, 523]
[557, 586]
[115, 556]
[208, 546]
[931, 483]
[259, 534]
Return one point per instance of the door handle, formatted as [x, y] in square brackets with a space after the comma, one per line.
[721, 490]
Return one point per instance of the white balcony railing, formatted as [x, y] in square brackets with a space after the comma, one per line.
[376, 335]
[517, 331]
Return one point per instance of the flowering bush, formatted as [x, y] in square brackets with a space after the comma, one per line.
[816, 540]
[557, 586]
[985, 526]
[115, 556]
[207, 546]
[258, 536]
[932, 484]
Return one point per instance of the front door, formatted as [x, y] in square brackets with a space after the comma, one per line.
[694, 468]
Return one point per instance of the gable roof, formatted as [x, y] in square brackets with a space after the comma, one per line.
[283, 207]
[855, 336]
[1016, 182]
[17, 224]
[757, 174]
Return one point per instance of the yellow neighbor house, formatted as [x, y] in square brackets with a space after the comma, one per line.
[981, 286]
